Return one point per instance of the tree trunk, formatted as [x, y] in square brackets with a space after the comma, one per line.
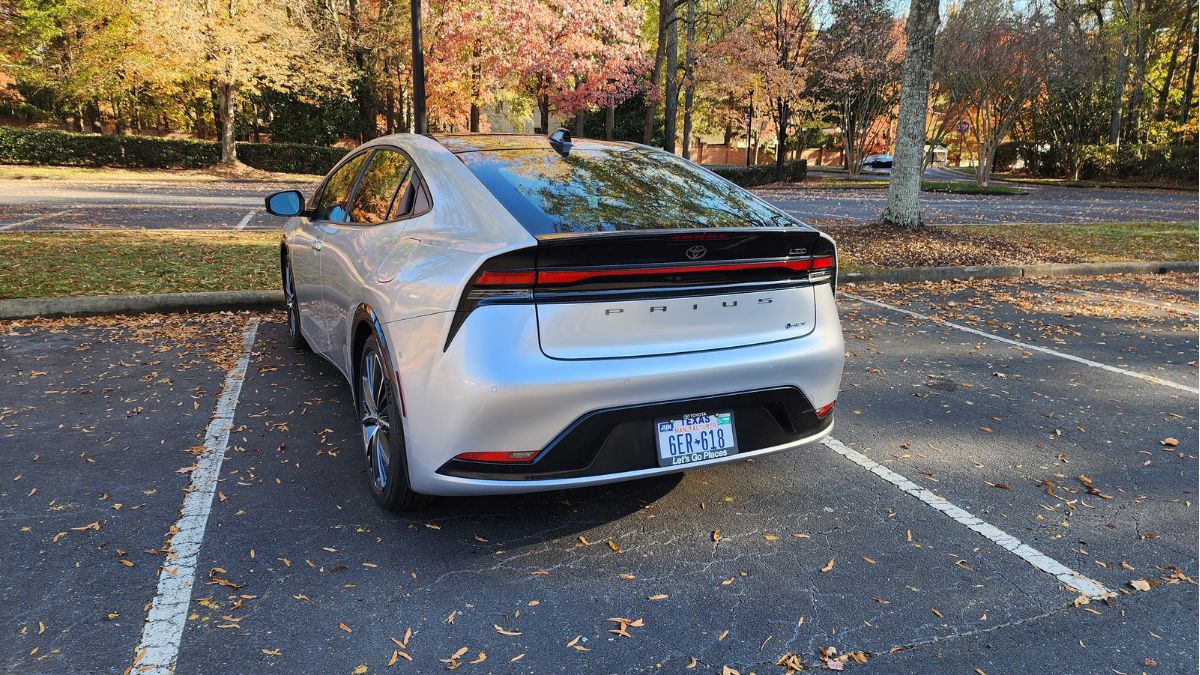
[1164, 93]
[783, 112]
[544, 109]
[475, 92]
[227, 94]
[257, 128]
[610, 121]
[1189, 82]
[579, 120]
[904, 189]
[389, 109]
[1139, 79]
[656, 73]
[671, 88]
[689, 85]
[1118, 88]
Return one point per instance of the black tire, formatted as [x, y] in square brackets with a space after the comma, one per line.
[383, 431]
[293, 308]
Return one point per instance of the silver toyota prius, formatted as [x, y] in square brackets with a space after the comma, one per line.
[518, 313]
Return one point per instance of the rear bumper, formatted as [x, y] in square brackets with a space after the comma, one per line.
[455, 486]
[494, 390]
[622, 440]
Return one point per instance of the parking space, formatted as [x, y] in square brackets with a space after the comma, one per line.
[97, 417]
[976, 493]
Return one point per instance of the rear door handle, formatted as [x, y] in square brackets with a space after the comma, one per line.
[316, 245]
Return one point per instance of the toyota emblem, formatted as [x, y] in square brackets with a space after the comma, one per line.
[695, 252]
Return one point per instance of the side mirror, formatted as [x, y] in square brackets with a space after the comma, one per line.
[285, 204]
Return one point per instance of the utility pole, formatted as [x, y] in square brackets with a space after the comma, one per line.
[418, 65]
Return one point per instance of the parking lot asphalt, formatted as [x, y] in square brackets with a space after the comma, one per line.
[1078, 443]
[28, 205]
[31, 205]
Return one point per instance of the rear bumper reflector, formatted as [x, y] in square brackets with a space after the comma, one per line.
[521, 456]
[824, 410]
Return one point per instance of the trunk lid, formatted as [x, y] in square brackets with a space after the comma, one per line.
[670, 292]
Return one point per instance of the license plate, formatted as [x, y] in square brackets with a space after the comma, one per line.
[695, 438]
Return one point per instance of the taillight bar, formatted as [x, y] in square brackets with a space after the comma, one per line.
[563, 277]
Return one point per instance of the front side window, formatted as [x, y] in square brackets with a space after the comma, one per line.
[385, 179]
[614, 189]
[335, 198]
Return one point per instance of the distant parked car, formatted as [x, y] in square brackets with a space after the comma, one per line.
[878, 161]
[517, 313]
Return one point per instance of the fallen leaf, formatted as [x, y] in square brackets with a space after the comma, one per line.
[829, 565]
[272, 652]
[344, 627]
[1141, 584]
[613, 545]
[503, 631]
[658, 596]
[1170, 442]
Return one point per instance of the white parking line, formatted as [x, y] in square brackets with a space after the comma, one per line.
[1026, 345]
[9, 226]
[245, 219]
[168, 612]
[1043, 562]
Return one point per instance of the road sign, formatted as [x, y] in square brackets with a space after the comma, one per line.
[963, 126]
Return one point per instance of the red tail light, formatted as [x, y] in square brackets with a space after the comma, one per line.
[525, 278]
[824, 410]
[509, 457]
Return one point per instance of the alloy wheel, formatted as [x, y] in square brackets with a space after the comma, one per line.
[375, 401]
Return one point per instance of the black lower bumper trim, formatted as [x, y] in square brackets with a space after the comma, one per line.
[617, 440]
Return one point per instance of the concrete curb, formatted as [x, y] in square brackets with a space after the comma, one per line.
[27, 308]
[916, 274]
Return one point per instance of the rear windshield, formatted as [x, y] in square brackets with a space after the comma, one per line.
[614, 189]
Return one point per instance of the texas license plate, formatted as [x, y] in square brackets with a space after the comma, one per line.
[695, 438]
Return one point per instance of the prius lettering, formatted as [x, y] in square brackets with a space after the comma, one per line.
[695, 306]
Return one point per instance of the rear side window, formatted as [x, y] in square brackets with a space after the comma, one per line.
[335, 198]
[386, 178]
[412, 199]
[614, 189]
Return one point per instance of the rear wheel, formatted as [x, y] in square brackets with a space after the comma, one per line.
[383, 432]
[293, 307]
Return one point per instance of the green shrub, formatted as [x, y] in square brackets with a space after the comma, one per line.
[147, 152]
[64, 148]
[1139, 161]
[289, 157]
[761, 174]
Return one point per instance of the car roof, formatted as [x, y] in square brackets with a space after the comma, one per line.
[459, 143]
